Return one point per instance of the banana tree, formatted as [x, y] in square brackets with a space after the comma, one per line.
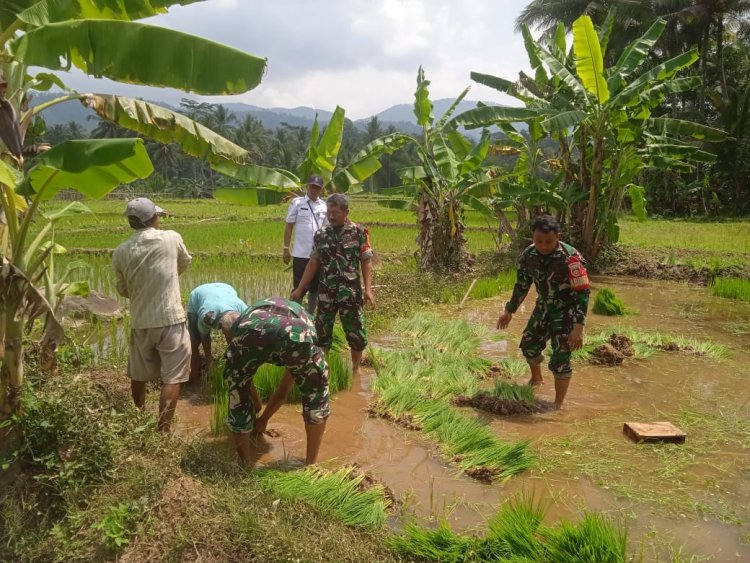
[451, 175]
[100, 38]
[261, 186]
[93, 167]
[602, 120]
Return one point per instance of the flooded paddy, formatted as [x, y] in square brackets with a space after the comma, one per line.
[694, 497]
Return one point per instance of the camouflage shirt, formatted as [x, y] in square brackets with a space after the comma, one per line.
[340, 250]
[266, 328]
[549, 273]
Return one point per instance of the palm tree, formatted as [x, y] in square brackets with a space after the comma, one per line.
[221, 121]
[253, 137]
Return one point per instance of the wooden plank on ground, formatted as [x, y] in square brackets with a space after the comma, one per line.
[653, 432]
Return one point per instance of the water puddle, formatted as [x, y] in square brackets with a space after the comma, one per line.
[697, 494]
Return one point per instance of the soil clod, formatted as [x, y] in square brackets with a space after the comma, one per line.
[622, 343]
[499, 406]
[483, 474]
[405, 420]
[369, 481]
[606, 355]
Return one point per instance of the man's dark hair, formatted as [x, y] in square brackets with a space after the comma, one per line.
[137, 224]
[338, 200]
[546, 224]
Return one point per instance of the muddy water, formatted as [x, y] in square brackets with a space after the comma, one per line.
[662, 387]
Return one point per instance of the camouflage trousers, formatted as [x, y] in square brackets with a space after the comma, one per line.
[352, 319]
[308, 367]
[551, 323]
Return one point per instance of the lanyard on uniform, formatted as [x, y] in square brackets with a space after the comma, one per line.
[313, 215]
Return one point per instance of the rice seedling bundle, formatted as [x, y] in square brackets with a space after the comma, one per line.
[731, 288]
[336, 493]
[517, 533]
[514, 391]
[606, 303]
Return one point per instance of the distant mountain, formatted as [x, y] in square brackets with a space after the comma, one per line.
[400, 116]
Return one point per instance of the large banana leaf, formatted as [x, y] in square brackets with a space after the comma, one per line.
[249, 196]
[678, 127]
[561, 72]
[9, 11]
[441, 122]
[366, 162]
[93, 167]
[532, 50]
[51, 11]
[664, 71]
[330, 141]
[490, 115]
[460, 145]
[505, 86]
[476, 157]
[256, 175]
[141, 54]
[680, 151]
[422, 103]
[444, 158]
[563, 121]
[638, 201]
[653, 96]
[589, 60]
[166, 126]
[605, 30]
[635, 53]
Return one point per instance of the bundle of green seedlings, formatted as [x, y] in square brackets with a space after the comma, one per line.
[418, 383]
[644, 344]
[731, 288]
[517, 533]
[268, 376]
[340, 494]
[606, 303]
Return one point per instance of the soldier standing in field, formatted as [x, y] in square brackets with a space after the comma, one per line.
[340, 250]
[304, 217]
[279, 332]
[557, 270]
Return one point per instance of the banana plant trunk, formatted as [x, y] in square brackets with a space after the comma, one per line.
[12, 372]
[442, 246]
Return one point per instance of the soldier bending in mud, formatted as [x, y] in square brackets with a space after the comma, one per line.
[339, 250]
[562, 286]
[279, 332]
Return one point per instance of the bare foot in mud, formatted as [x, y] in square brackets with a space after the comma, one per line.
[535, 382]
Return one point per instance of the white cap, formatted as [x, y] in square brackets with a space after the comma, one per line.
[143, 208]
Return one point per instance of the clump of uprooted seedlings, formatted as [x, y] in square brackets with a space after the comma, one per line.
[517, 533]
[417, 384]
[505, 399]
[340, 494]
[610, 348]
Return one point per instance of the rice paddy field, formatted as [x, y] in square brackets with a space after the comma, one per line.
[413, 467]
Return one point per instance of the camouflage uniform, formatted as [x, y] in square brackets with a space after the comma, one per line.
[558, 306]
[279, 332]
[340, 250]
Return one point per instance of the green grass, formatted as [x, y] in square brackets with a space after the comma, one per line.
[715, 236]
[336, 494]
[731, 288]
[513, 367]
[517, 533]
[606, 303]
[513, 391]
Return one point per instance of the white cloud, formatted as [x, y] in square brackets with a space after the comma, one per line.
[359, 54]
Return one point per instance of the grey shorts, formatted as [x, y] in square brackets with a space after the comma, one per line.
[162, 352]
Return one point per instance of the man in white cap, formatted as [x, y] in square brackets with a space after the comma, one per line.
[147, 266]
[304, 217]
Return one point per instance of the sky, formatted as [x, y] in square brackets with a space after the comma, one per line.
[360, 54]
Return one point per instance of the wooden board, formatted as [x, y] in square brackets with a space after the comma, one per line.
[653, 432]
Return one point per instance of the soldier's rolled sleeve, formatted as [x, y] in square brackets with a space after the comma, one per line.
[581, 306]
[316, 242]
[522, 286]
